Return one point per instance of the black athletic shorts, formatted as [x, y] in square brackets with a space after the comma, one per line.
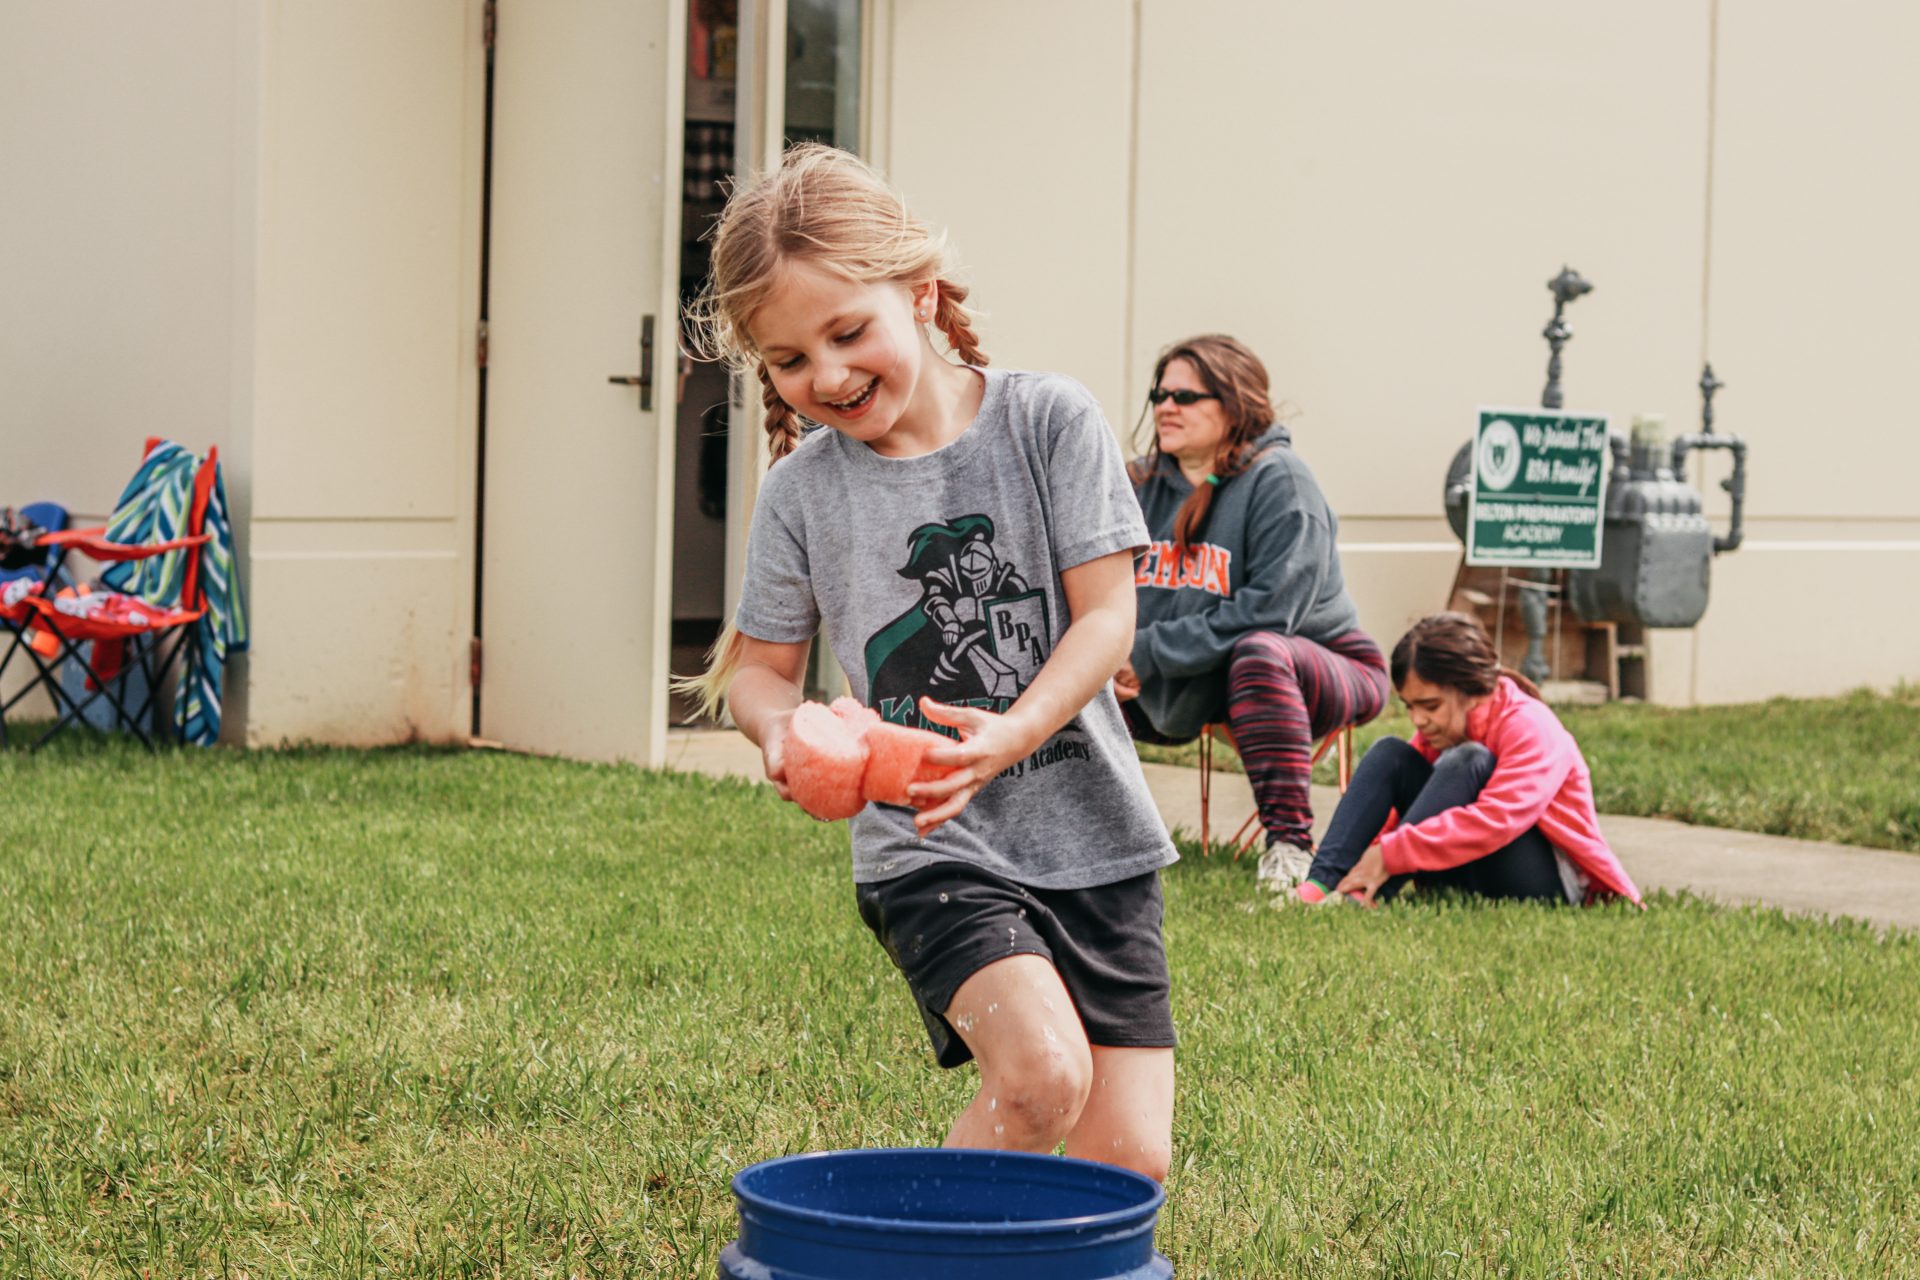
[943, 923]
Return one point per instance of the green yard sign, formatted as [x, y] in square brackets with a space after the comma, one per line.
[1539, 489]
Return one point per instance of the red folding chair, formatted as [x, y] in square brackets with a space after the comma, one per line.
[120, 628]
[1341, 738]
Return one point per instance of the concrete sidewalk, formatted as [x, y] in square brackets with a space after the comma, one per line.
[1803, 876]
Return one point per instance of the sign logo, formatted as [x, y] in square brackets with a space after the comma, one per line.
[1499, 456]
[1539, 489]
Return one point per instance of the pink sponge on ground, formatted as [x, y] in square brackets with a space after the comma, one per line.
[826, 763]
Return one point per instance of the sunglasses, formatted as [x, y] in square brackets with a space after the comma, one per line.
[1183, 398]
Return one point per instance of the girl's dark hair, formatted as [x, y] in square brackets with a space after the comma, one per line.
[1452, 650]
[1232, 372]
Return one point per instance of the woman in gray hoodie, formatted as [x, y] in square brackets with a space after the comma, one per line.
[1243, 615]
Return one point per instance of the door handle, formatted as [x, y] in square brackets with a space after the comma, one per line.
[644, 380]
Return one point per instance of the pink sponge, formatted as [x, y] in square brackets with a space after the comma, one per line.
[859, 716]
[894, 761]
[826, 762]
[840, 757]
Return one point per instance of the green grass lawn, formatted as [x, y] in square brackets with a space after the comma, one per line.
[1840, 769]
[427, 1013]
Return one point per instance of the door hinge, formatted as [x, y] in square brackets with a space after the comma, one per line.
[480, 345]
[473, 662]
[489, 23]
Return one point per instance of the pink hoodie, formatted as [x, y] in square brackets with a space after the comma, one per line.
[1539, 779]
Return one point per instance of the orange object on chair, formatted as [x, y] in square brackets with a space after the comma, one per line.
[1341, 738]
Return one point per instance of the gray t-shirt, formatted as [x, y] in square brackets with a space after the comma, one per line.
[940, 575]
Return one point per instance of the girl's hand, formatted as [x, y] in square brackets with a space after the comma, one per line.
[988, 744]
[773, 743]
[1367, 875]
[1126, 684]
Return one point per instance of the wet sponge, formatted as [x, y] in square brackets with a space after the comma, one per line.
[894, 761]
[858, 715]
[826, 762]
[840, 757]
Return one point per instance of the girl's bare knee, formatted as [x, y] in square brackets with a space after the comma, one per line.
[1042, 1095]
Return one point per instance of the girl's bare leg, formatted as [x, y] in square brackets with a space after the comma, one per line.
[1035, 1065]
[1128, 1119]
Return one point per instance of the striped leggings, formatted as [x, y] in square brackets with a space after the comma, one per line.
[1283, 692]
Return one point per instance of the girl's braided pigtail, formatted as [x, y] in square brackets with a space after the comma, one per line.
[953, 319]
[783, 426]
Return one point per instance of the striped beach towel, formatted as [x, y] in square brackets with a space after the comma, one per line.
[155, 507]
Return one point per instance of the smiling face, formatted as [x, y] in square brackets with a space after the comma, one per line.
[847, 355]
[1439, 712]
[1191, 433]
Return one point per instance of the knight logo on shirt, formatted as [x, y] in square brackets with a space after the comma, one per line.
[977, 635]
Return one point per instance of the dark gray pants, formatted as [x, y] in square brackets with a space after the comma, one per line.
[1394, 778]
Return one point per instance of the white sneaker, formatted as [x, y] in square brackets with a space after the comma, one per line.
[1283, 866]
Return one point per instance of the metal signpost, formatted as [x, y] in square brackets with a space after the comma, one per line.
[1539, 489]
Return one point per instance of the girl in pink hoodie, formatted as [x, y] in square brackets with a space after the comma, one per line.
[1492, 795]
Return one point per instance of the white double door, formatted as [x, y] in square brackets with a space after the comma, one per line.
[577, 509]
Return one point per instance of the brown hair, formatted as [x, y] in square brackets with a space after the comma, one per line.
[1229, 370]
[1452, 650]
[827, 207]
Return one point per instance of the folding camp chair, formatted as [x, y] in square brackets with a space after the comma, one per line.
[1340, 739]
[47, 517]
[101, 630]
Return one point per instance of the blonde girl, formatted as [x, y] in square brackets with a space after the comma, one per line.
[966, 537]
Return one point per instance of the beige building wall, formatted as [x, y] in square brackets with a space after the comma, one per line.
[1381, 217]
[1815, 197]
[1376, 205]
[118, 132]
[121, 132]
[257, 226]
[1010, 127]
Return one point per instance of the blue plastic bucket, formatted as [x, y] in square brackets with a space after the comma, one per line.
[943, 1215]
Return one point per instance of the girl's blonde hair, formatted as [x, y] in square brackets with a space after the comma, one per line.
[824, 206]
